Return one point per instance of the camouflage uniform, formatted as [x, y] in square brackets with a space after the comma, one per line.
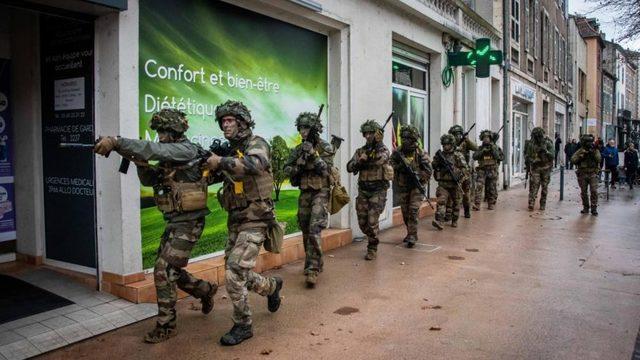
[308, 168]
[447, 189]
[465, 147]
[375, 172]
[246, 195]
[539, 155]
[179, 166]
[587, 161]
[489, 156]
[409, 195]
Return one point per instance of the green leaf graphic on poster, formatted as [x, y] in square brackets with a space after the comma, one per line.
[195, 55]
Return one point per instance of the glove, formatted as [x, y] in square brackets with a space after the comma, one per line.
[105, 145]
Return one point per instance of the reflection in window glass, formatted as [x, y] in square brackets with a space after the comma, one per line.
[408, 76]
[417, 115]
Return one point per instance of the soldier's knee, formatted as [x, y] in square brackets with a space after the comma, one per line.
[160, 269]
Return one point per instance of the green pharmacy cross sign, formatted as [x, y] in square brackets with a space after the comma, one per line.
[482, 57]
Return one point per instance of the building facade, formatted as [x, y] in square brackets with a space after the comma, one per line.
[578, 68]
[537, 53]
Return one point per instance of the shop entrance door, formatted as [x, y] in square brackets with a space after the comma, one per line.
[517, 144]
[67, 70]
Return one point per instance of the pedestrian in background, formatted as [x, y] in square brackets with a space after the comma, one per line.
[611, 161]
[569, 149]
[558, 144]
[631, 164]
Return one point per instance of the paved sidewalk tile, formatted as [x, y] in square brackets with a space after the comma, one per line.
[19, 350]
[82, 315]
[119, 318]
[48, 341]
[97, 325]
[58, 322]
[9, 336]
[73, 333]
[32, 330]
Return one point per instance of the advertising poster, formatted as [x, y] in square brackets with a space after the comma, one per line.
[196, 54]
[7, 212]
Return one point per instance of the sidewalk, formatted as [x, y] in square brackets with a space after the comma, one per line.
[505, 284]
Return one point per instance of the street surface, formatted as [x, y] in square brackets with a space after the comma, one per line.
[507, 284]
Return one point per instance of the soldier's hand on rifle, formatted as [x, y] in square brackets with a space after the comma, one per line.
[363, 157]
[105, 145]
[213, 162]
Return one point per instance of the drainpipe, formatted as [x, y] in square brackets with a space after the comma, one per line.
[506, 97]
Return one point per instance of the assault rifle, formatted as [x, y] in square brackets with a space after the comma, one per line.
[124, 163]
[449, 169]
[414, 179]
[464, 136]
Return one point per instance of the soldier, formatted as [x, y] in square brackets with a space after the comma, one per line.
[587, 159]
[180, 191]
[465, 146]
[246, 195]
[372, 163]
[538, 152]
[449, 167]
[489, 156]
[308, 167]
[409, 155]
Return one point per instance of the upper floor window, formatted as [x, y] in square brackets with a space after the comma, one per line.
[515, 20]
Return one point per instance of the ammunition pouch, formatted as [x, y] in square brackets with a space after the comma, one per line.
[181, 197]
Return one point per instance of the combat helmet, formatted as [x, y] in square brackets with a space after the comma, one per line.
[370, 126]
[169, 119]
[537, 132]
[410, 131]
[586, 139]
[447, 139]
[456, 129]
[236, 109]
[309, 120]
[488, 133]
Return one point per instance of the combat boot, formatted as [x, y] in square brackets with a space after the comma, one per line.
[311, 279]
[274, 300]
[371, 254]
[437, 224]
[491, 206]
[530, 208]
[447, 218]
[543, 205]
[467, 212]
[454, 223]
[410, 240]
[207, 300]
[476, 207]
[236, 335]
[585, 210]
[161, 333]
[594, 211]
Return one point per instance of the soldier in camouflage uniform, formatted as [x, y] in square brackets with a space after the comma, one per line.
[488, 156]
[448, 189]
[178, 172]
[308, 167]
[538, 159]
[246, 195]
[409, 195]
[371, 162]
[465, 147]
[587, 161]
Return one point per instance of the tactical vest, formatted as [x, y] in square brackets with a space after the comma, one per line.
[441, 173]
[588, 163]
[487, 159]
[310, 179]
[402, 179]
[382, 172]
[175, 196]
[239, 193]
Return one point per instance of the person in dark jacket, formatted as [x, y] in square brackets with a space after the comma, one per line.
[611, 161]
[631, 164]
[569, 149]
